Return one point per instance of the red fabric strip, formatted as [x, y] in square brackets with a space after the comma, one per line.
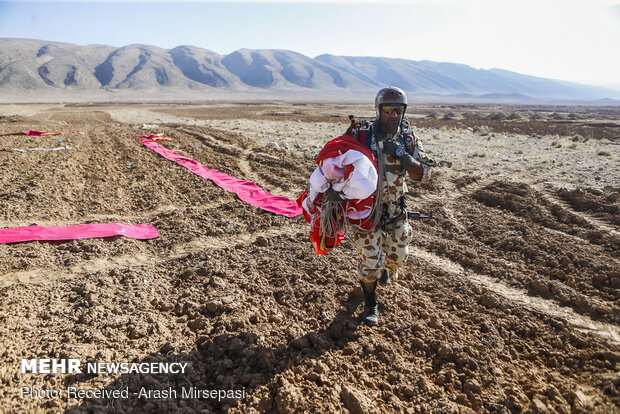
[39, 133]
[80, 231]
[246, 190]
[156, 138]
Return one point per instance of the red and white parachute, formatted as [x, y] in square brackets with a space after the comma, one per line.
[350, 168]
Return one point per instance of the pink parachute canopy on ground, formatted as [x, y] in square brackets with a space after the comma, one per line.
[39, 133]
[80, 231]
[246, 190]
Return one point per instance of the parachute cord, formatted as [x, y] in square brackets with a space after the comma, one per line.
[332, 218]
[332, 215]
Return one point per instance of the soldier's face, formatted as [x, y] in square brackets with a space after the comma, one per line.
[390, 117]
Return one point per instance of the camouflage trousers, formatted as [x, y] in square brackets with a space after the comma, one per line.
[380, 250]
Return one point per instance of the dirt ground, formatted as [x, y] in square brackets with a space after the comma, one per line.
[509, 302]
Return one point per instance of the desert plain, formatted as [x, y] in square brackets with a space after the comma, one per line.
[509, 301]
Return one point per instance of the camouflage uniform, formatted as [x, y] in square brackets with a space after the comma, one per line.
[387, 247]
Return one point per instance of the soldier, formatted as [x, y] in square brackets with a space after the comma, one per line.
[384, 247]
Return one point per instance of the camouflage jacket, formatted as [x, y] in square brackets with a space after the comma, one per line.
[394, 183]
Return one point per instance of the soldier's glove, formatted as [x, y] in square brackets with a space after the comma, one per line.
[333, 195]
[391, 148]
[398, 152]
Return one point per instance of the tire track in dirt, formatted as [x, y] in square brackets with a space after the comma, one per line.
[47, 275]
[219, 243]
[139, 115]
[519, 296]
[549, 196]
[206, 137]
[244, 166]
[243, 161]
[449, 212]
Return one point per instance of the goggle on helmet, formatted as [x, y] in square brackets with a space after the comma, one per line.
[392, 96]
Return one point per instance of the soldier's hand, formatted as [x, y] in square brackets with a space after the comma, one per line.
[420, 172]
[390, 147]
[407, 161]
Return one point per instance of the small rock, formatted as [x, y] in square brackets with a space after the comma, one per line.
[354, 401]
[288, 398]
[485, 327]
[314, 338]
[312, 376]
[277, 318]
[409, 392]
[53, 403]
[555, 395]
[214, 305]
[489, 300]
[517, 399]
[198, 324]
[564, 261]
[578, 400]
[445, 353]
[441, 378]
[301, 343]
[348, 350]
[418, 327]
[540, 287]
[610, 356]
[435, 322]
[472, 387]
[422, 384]
[167, 347]
[236, 346]
[321, 368]
[599, 279]
[538, 407]
[136, 333]
[165, 306]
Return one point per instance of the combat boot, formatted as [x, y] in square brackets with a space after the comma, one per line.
[385, 277]
[370, 316]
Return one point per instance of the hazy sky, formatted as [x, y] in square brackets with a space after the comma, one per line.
[570, 40]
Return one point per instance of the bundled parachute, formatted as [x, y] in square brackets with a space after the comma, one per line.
[349, 168]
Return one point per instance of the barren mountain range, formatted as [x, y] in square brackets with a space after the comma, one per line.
[28, 66]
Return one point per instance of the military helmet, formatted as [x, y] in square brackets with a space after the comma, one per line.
[391, 95]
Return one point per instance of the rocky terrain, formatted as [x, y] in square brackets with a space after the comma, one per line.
[38, 71]
[509, 301]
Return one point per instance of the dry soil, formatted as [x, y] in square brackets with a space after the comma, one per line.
[509, 301]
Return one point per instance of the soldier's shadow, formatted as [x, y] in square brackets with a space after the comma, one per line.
[225, 362]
